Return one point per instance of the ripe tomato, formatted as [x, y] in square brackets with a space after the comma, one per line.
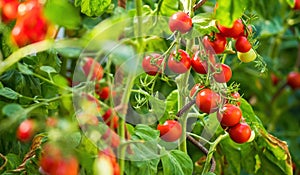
[170, 131]
[207, 101]
[179, 61]
[274, 79]
[94, 67]
[242, 44]
[53, 162]
[26, 130]
[9, 10]
[199, 66]
[240, 133]
[234, 31]
[111, 138]
[223, 73]
[247, 56]
[237, 97]
[103, 92]
[18, 36]
[218, 44]
[293, 80]
[110, 120]
[229, 115]
[181, 22]
[152, 64]
[195, 88]
[297, 4]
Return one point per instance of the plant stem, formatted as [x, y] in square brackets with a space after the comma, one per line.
[211, 151]
[129, 85]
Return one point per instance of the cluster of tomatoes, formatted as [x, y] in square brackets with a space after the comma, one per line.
[31, 26]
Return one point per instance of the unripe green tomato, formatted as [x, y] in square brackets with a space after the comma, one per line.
[247, 56]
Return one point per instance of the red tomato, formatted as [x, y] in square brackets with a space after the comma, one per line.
[170, 131]
[195, 88]
[293, 80]
[242, 44]
[111, 138]
[274, 79]
[103, 93]
[240, 133]
[152, 64]
[94, 67]
[199, 66]
[229, 115]
[9, 10]
[181, 22]
[207, 101]
[234, 31]
[179, 61]
[26, 130]
[111, 120]
[223, 73]
[53, 162]
[297, 4]
[218, 44]
[19, 37]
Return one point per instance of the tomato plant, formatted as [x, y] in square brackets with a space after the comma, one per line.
[154, 87]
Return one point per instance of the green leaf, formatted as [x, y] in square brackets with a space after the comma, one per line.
[13, 110]
[92, 7]
[169, 7]
[63, 13]
[171, 106]
[48, 69]
[203, 24]
[9, 93]
[228, 11]
[24, 69]
[144, 132]
[176, 162]
[291, 3]
[158, 106]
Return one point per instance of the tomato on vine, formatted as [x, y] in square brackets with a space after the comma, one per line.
[297, 5]
[179, 61]
[26, 130]
[237, 97]
[9, 9]
[222, 73]
[195, 88]
[198, 65]
[207, 101]
[181, 22]
[293, 80]
[218, 43]
[229, 115]
[152, 64]
[93, 67]
[170, 131]
[242, 44]
[247, 56]
[103, 92]
[111, 119]
[234, 31]
[240, 133]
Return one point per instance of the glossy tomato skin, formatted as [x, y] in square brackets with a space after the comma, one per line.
[195, 88]
[9, 10]
[179, 61]
[247, 56]
[103, 93]
[229, 115]
[26, 130]
[240, 133]
[297, 5]
[94, 67]
[152, 64]
[198, 65]
[224, 75]
[170, 131]
[181, 22]
[53, 162]
[207, 101]
[293, 80]
[242, 44]
[110, 119]
[218, 44]
[234, 31]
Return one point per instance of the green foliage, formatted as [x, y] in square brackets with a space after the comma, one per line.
[92, 7]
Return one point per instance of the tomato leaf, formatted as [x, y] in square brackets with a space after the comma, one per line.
[92, 7]
[48, 69]
[158, 106]
[176, 162]
[228, 11]
[24, 69]
[9, 93]
[171, 106]
[13, 110]
[63, 13]
[203, 24]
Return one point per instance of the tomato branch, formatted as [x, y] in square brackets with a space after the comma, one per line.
[199, 4]
[4, 163]
[185, 108]
[204, 150]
